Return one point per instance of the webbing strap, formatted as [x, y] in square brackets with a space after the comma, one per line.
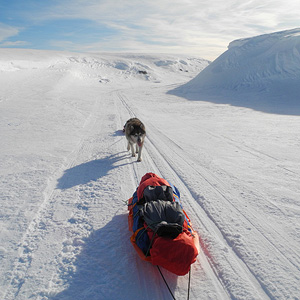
[163, 277]
[189, 283]
[150, 245]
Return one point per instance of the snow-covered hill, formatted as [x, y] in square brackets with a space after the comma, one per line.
[104, 67]
[65, 177]
[261, 72]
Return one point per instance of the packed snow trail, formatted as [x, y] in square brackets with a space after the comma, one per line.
[162, 161]
[66, 176]
[221, 189]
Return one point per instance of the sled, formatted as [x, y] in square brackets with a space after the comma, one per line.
[162, 231]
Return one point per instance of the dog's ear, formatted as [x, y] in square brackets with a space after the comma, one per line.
[131, 128]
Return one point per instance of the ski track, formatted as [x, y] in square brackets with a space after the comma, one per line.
[219, 186]
[214, 183]
[136, 174]
[258, 286]
[167, 170]
[223, 191]
[253, 220]
[157, 164]
[160, 291]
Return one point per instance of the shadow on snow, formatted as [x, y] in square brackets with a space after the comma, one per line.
[109, 268]
[274, 99]
[90, 171]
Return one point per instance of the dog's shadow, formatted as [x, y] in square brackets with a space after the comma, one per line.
[91, 170]
[119, 133]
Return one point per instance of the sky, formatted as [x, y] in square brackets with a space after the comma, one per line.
[201, 28]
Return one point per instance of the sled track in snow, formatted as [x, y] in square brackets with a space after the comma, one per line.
[204, 219]
[119, 99]
[161, 163]
[159, 153]
[220, 188]
[158, 166]
[214, 184]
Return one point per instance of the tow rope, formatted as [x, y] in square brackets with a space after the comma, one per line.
[189, 283]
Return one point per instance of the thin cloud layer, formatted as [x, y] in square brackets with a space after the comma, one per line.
[202, 28]
[7, 31]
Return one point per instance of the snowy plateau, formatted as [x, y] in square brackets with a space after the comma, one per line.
[225, 133]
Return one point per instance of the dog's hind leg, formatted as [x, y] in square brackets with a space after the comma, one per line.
[128, 146]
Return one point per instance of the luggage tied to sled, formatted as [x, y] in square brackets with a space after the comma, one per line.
[162, 231]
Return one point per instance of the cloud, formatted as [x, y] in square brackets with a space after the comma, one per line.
[178, 14]
[14, 44]
[201, 27]
[7, 31]
[146, 26]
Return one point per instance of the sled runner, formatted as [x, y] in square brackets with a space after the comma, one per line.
[162, 231]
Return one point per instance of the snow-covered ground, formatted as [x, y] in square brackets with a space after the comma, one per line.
[65, 172]
[262, 73]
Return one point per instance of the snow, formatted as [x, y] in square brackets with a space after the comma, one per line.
[262, 72]
[220, 135]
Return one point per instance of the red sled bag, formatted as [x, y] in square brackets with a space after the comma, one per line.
[162, 231]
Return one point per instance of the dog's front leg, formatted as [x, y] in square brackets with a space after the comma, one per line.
[140, 153]
[132, 150]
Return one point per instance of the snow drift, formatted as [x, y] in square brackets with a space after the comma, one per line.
[261, 72]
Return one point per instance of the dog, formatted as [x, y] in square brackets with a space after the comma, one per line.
[135, 133]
